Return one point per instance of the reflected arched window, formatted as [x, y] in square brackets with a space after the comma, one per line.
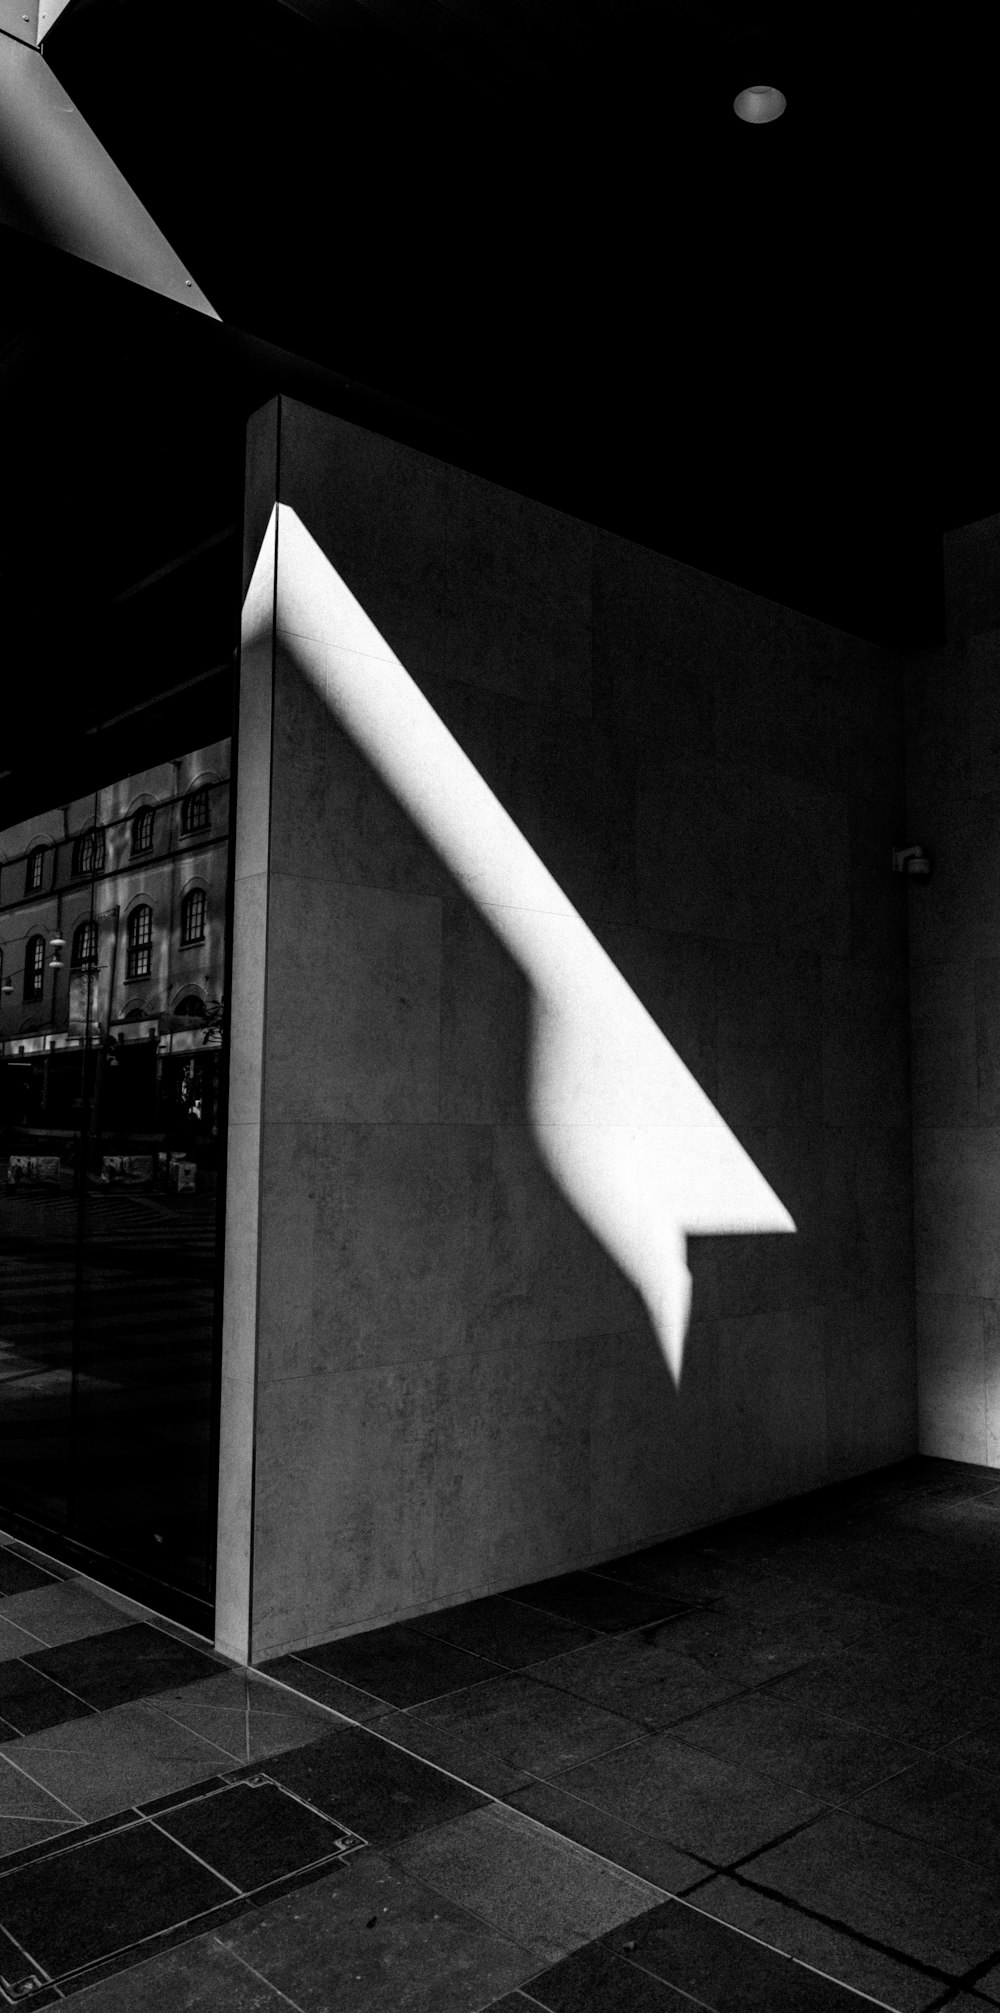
[194, 811]
[139, 953]
[88, 852]
[34, 968]
[34, 869]
[193, 917]
[85, 944]
[142, 830]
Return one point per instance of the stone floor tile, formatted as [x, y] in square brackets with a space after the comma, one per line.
[979, 1749]
[814, 1753]
[531, 1724]
[507, 1631]
[688, 1573]
[598, 1603]
[856, 1963]
[723, 1968]
[514, 2002]
[595, 1981]
[200, 1977]
[640, 1678]
[735, 1644]
[372, 1940]
[477, 1761]
[29, 1701]
[952, 1807]
[16, 1642]
[398, 1664]
[379, 1791]
[624, 1844]
[915, 1901]
[893, 1696]
[18, 1575]
[110, 1760]
[347, 1699]
[988, 1985]
[245, 1716]
[251, 1833]
[123, 1663]
[701, 1804]
[534, 1887]
[61, 1611]
[20, 1796]
[87, 1902]
[17, 1832]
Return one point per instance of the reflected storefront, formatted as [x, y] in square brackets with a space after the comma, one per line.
[113, 937]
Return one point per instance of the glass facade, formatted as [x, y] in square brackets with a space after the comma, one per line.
[113, 928]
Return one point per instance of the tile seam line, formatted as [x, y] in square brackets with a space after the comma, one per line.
[47, 1792]
[113, 1598]
[488, 1799]
[79, 1975]
[153, 1821]
[934, 1973]
[865, 1998]
[536, 1955]
[911, 1838]
[32, 1961]
[230, 1952]
[550, 1781]
[969, 1979]
[575, 1848]
[130, 1819]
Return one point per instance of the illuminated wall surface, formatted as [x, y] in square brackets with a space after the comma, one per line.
[953, 772]
[570, 1204]
[112, 1034]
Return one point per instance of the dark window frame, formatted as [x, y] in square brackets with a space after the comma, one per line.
[195, 811]
[142, 829]
[139, 943]
[194, 905]
[88, 851]
[34, 869]
[34, 968]
[84, 952]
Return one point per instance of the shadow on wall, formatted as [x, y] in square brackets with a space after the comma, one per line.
[625, 1132]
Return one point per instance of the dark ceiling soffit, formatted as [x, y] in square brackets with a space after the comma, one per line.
[263, 368]
[445, 32]
[59, 184]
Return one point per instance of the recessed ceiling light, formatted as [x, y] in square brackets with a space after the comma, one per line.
[759, 104]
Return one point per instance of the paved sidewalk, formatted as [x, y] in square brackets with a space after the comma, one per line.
[753, 1769]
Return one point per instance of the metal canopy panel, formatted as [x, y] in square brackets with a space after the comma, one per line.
[48, 14]
[59, 184]
[20, 19]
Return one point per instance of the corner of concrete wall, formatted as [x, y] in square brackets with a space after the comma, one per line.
[459, 1389]
[234, 1555]
[953, 792]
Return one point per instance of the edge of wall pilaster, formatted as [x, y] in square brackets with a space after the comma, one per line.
[251, 865]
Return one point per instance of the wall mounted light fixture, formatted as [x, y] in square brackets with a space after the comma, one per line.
[758, 104]
[911, 860]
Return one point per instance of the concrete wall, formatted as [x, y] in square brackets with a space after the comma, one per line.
[443, 1384]
[953, 778]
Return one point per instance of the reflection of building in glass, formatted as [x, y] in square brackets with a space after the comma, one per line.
[112, 949]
